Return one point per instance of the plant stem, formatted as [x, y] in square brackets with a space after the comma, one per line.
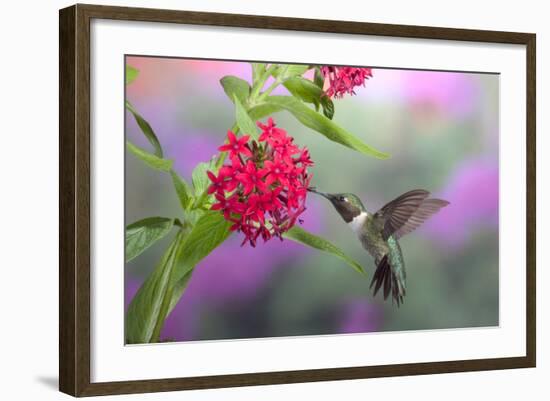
[268, 91]
[260, 84]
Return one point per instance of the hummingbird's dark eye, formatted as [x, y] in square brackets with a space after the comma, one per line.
[342, 198]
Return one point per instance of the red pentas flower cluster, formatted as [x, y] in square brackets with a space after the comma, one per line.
[262, 189]
[343, 80]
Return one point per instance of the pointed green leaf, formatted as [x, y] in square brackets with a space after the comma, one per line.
[210, 230]
[263, 110]
[319, 78]
[310, 118]
[286, 71]
[131, 74]
[178, 290]
[303, 89]
[244, 121]
[300, 235]
[184, 192]
[144, 233]
[328, 107]
[235, 87]
[146, 129]
[148, 158]
[325, 101]
[200, 178]
[296, 70]
[149, 306]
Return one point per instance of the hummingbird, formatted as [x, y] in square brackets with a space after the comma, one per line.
[379, 232]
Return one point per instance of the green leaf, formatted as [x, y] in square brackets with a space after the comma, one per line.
[144, 233]
[328, 107]
[244, 121]
[183, 190]
[286, 71]
[323, 125]
[306, 238]
[149, 306]
[200, 179]
[263, 110]
[131, 74]
[319, 78]
[303, 89]
[146, 129]
[150, 159]
[210, 230]
[235, 87]
[324, 101]
[178, 290]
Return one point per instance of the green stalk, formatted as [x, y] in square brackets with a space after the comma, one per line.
[268, 91]
[260, 84]
[155, 337]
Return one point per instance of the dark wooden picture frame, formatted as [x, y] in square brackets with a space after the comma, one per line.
[74, 199]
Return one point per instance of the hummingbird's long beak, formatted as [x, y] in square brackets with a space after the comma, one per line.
[312, 189]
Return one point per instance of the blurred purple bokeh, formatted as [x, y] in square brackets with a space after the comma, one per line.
[358, 316]
[473, 191]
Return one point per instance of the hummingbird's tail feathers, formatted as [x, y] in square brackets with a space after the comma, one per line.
[382, 269]
[386, 277]
[398, 290]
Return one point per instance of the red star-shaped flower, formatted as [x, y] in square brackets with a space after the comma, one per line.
[228, 206]
[278, 171]
[251, 178]
[225, 181]
[236, 146]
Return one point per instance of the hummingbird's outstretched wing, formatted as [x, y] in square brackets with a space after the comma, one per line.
[407, 212]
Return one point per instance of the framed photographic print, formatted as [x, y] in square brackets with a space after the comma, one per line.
[251, 200]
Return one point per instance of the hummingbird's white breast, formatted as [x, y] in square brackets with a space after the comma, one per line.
[358, 221]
